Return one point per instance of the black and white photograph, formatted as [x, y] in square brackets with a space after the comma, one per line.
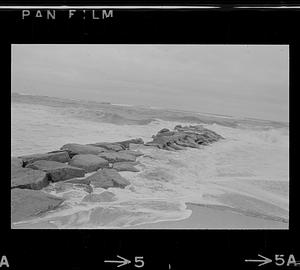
[149, 136]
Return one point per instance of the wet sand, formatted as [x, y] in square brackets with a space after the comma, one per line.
[215, 217]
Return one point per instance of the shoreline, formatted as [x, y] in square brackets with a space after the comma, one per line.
[203, 217]
[211, 216]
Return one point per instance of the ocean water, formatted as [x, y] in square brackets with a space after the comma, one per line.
[248, 171]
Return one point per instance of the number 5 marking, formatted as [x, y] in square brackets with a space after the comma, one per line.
[139, 263]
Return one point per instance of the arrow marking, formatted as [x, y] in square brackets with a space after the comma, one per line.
[265, 260]
[121, 263]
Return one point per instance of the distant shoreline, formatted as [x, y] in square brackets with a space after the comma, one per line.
[154, 108]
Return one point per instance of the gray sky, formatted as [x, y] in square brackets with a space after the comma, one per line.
[238, 80]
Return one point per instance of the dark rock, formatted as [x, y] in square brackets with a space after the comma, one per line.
[175, 146]
[178, 127]
[135, 153]
[126, 143]
[109, 146]
[61, 156]
[27, 204]
[125, 166]
[88, 162]
[188, 136]
[105, 196]
[187, 142]
[16, 162]
[28, 178]
[163, 130]
[107, 178]
[166, 133]
[57, 171]
[75, 149]
[117, 156]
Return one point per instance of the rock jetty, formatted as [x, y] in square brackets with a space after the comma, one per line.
[32, 175]
[182, 137]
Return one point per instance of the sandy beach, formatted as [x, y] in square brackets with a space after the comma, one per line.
[202, 217]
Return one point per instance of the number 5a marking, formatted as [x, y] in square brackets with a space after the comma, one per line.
[139, 262]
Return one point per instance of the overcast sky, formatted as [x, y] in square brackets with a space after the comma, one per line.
[250, 81]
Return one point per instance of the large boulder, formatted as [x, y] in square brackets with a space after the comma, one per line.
[117, 156]
[27, 204]
[107, 178]
[59, 156]
[126, 143]
[28, 178]
[75, 149]
[88, 162]
[109, 146]
[57, 171]
[16, 162]
[125, 166]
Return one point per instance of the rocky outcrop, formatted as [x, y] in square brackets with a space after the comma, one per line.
[75, 149]
[107, 178]
[27, 204]
[28, 178]
[116, 156]
[125, 166]
[57, 171]
[88, 162]
[59, 156]
[109, 146]
[182, 137]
